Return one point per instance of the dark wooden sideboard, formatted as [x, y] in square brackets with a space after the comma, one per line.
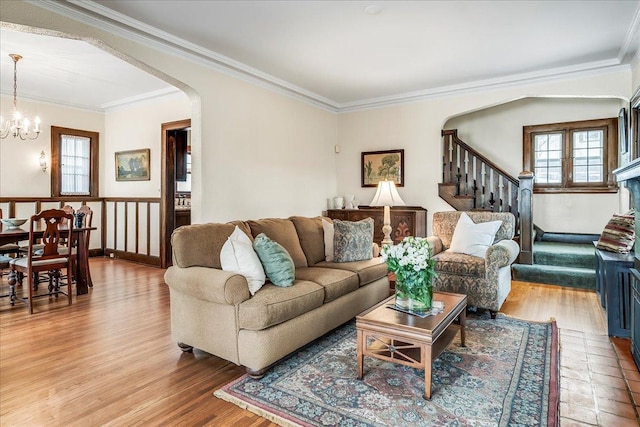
[405, 220]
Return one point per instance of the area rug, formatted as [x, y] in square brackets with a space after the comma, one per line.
[507, 375]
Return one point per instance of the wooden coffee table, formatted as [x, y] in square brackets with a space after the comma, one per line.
[397, 337]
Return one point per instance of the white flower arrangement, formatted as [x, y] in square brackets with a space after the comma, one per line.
[414, 268]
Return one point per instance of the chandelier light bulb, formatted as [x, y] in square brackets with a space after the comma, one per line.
[18, 126]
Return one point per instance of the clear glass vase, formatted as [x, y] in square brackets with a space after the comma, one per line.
[414, 292]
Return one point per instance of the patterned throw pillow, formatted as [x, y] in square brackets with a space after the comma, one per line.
[618, 235]
[352, 241]
[276, 261]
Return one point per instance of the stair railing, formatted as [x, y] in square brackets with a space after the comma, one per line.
[489, 186]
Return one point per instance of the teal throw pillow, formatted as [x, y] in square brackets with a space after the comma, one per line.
[352, 241]
[277, 263]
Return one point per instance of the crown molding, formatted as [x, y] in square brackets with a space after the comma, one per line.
[105, 19]
[563, 73]
[631, 44]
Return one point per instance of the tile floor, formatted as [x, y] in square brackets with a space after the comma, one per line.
[599, 384]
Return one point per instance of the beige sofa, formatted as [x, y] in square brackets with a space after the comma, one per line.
[485, 280]
[213, 310]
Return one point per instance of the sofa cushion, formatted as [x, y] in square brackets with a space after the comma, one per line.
[368, 271]
[284, 232]
[199, 245]
[618, 235]
[471, 238]
[352, 241]
[311, 236]
[335, 282]
[327, 228]
[238, 255]
[273, 305]
[460, 264]
[275, 259]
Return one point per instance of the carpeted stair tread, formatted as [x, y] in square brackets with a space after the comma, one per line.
[571, 277]
[564, 254]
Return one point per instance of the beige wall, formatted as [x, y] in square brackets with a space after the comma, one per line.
[416, 127]
[497, 132]
[134, 128]
[20, 173]
[635, 72]
[256, 153]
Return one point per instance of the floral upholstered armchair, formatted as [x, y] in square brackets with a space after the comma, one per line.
[482, 271]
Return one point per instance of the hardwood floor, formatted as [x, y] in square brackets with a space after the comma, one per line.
[109, 358]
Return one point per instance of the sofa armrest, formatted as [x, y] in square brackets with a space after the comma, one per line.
[209, 284]
[436, 245]
[503, 253]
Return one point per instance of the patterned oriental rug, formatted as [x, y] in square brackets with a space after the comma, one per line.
[507, 375]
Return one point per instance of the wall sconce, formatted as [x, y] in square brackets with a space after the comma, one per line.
[43, 162]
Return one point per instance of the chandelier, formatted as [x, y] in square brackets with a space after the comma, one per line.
[17, 125]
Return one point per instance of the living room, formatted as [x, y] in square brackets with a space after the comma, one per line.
[277, 146]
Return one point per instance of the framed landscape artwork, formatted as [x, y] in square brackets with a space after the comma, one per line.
[382, 165]
[133, 165]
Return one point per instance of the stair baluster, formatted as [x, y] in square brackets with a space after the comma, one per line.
[472, 182]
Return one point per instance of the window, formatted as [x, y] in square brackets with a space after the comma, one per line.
[572, 157]
[74, 162]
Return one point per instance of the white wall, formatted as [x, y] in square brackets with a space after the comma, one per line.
[20, 173]
[134, 128]
[635, 72]
[256, 153]
[497, 133]
[416, 127]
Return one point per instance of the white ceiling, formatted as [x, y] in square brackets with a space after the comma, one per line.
[330, 52]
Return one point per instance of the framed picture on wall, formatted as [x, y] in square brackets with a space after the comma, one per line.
[133, 165]
[382, 165]
[622, 131]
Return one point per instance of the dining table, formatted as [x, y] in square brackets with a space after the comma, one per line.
[81, 237]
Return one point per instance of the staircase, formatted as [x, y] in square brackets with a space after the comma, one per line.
[470, 181]
[569, 263]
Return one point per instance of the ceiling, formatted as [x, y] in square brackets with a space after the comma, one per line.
[339, 54]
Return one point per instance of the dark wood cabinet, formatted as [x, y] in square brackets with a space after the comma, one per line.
[405, 220]
[613, 284]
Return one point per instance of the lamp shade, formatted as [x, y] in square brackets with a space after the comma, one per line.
[387, 195]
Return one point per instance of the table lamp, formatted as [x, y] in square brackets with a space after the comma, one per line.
[387, 196]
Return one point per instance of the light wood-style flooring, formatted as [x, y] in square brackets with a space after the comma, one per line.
[109, 358]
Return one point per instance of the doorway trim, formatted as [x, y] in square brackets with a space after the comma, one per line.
[168, 190]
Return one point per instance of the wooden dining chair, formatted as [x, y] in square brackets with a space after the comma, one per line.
[54, 237]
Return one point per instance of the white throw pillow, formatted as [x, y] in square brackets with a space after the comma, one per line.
[238, 256]
[471, 238]
[327, 227]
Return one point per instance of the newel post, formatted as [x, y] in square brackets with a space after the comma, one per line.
[525, 209]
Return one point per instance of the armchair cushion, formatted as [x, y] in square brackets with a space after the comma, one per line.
[460, 264]
[471, 238]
